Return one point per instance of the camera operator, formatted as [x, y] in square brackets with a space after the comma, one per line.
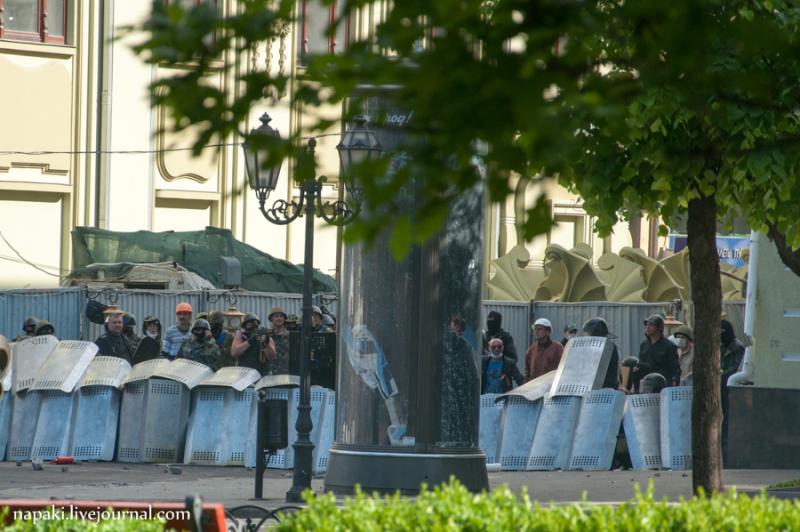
[250, 345]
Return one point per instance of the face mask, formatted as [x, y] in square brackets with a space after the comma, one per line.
[216, 329]
[570, 336]
[153, 335]
[680, 342]
[199, 335]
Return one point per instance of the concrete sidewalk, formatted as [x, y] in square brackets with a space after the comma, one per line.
[233, 486]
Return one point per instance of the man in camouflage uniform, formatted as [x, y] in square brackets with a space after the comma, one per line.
[129, 331]
[223, 338]
[278, 350]
[200, 347]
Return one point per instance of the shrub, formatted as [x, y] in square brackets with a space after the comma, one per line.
[453, 507]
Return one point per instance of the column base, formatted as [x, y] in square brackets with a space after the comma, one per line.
[387, 472]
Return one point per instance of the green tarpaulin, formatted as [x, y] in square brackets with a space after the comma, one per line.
[197, 251]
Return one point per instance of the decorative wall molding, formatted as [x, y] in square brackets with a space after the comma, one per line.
[45, 168]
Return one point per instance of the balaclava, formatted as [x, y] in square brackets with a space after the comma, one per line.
[493, 322]
[726, 333]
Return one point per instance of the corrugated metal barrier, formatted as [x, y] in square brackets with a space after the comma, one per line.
[624, 319]
[65, 308]
[516, 320]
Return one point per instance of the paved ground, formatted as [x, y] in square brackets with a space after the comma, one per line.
[234, 486]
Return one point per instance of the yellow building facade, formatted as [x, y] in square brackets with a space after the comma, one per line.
[79, 146]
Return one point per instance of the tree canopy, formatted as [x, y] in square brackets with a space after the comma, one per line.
[664, 107]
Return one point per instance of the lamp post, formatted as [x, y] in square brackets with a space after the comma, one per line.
[357, 144]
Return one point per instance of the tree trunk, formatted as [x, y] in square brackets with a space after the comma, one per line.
[707, 298]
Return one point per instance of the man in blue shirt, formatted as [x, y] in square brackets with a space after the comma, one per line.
[175, 335]
[499, 373]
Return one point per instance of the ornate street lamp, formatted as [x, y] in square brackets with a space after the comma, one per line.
[357, 145]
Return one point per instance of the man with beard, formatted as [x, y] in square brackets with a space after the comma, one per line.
[176, 334]
[498, 372]
[494, 329]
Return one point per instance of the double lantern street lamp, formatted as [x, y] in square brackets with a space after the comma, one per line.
[357, 145]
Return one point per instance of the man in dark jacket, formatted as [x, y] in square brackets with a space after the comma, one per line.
[113, 343]
[498, 372]
[657, 354]
[494, 329]
[731, 355]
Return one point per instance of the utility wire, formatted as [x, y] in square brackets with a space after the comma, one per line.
[135, 152]
[26, 261]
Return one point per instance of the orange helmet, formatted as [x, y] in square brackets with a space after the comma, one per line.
[183, 307]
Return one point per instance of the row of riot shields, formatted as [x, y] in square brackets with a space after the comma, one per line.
[58, 399]
[564, 420]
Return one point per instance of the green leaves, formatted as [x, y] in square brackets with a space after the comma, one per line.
[451, 507]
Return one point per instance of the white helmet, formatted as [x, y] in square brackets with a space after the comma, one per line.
[544, 322]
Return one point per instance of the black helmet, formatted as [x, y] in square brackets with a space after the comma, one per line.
[30, 321]
[652, 383]
[250, 317]
[200, 324]
[656, 320]
[128, 320]
[597, 327]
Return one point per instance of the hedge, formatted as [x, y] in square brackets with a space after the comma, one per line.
[452, 507]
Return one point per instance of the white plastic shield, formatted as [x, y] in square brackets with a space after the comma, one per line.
[642, 430]
[489, 425]
[190, 373]
[28, 356]
[552, 441]
[6, 408]
[106, 371]
[54, 426]
[94, 435]
[517, 427]
[65, 366]
[598, 427]
[145, 370]
[583, 366]
[676, 427]
[23, 425]
[278, 381]
[326, 433]
[235, 377]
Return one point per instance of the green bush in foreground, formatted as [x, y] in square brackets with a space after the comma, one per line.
[452, 507]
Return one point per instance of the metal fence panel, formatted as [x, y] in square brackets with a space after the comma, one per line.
[58, 306]
[624, 319]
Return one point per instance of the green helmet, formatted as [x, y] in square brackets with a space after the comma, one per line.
[215, 316]
[685, 330]
[200, 324]
[44, 327]
[656, 320]
[30, 321]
